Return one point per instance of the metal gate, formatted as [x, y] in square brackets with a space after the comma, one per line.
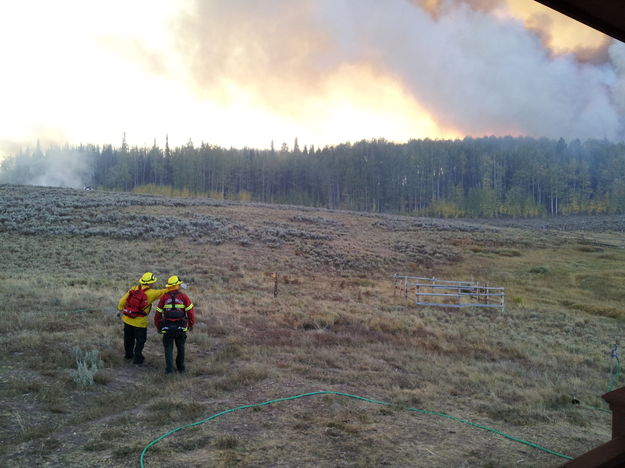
[444, 293]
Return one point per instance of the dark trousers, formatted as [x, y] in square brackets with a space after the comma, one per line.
[168, 343]
[134, 340]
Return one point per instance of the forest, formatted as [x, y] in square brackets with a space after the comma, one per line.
[470, 177]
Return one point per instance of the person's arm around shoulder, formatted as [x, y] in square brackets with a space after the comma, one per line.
[154, 294]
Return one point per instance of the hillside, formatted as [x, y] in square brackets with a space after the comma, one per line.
[335, 325]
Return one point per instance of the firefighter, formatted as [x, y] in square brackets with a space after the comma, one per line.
[174, 317]
[134, 308]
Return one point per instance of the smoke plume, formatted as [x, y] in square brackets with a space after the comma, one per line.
[472, 70]
[57, 167]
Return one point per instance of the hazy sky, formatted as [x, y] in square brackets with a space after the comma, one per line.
[246, 72]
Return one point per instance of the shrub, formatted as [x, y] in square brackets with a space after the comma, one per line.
[517, 300]
[88, 363]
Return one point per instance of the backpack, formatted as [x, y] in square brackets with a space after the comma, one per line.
[135, 303]
[174, 319]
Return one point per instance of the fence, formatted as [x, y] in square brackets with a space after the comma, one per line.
[443, 293]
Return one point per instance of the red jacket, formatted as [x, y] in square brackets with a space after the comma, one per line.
[182, 304]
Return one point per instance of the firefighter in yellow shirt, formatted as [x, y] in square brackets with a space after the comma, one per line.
[134, 308]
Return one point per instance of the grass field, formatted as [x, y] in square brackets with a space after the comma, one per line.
[335, 325]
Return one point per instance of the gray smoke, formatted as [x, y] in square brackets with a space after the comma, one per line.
[56, 168]
[473, 72]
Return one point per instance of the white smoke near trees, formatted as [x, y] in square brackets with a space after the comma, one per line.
[57, 167]
[617, 57]
[473, 71]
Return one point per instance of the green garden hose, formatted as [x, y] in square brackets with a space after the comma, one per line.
[615, 370]
[327, 392]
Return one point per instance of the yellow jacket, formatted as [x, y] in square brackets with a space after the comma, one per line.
[142, 321]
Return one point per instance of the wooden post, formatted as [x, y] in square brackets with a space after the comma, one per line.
[616, 400]
[275, 284]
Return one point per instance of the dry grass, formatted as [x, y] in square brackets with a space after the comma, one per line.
[335, 325]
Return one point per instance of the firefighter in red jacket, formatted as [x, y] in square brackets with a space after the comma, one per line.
[134, 308]
[174, 317]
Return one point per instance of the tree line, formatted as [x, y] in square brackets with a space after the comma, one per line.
[472, 177]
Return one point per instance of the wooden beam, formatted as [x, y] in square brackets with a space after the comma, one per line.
[605, 16]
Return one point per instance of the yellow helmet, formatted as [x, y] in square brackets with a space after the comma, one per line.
[147, 278]
[173, 281]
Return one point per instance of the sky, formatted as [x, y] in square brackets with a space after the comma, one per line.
[251, 72]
